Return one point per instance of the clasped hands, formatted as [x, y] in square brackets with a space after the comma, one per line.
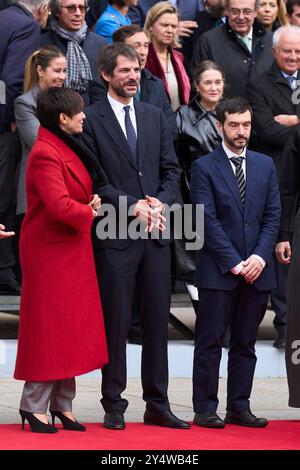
[252, 269]
[149, 211]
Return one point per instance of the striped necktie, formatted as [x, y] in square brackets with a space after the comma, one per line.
[240, 177]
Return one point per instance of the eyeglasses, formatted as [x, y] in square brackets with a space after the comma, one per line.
[238, 11]
[73, 8]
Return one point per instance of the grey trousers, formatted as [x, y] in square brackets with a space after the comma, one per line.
[58, 394]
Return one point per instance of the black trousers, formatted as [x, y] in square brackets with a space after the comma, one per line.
[7, 197]
[242, 310]
[144, 268]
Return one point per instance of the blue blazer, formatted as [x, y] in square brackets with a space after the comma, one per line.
[20, 36]
[157, 172]
[188, 10]
[233, 233]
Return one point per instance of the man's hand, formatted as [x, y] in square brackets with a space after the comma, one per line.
[283, 252]
[4, 234]
[186, 28]
[152, 217]
[155, 203]
[286, 119]
[252, 269]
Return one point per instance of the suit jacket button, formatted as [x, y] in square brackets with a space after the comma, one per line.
[140, 173]
[245, 225]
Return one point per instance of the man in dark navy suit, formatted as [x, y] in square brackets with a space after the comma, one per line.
[235, 268]
[133, 143]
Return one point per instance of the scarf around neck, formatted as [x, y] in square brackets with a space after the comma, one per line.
[79, 70]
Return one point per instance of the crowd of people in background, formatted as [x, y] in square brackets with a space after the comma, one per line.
[110, 98]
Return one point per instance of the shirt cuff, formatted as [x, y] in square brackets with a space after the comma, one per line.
[261, 260]
[237, 269]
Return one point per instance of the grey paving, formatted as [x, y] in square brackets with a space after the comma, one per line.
[269, 399]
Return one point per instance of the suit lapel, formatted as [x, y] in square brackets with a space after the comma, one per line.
[224, 167]
[251, 179]
[142, 132]
[112, 126]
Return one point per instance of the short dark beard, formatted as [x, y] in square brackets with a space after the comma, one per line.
[119, 91]
[231, 142]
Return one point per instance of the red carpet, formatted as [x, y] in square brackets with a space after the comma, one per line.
[278, 435]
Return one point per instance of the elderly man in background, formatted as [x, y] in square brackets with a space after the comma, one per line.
[20, 36]
[242, 46]
[69, 32]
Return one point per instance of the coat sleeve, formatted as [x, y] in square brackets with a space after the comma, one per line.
[22, 43]
[289, 185]
[216, 240]
[271, 218]
[26, 121]
[268, 130]
[45, 171]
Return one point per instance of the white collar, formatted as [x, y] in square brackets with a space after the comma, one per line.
[286, 75]
[117, 106]
[231, 154]
[248, 36]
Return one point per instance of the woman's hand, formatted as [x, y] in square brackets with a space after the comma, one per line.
[4, 234]
[94, 213]
[95, 202]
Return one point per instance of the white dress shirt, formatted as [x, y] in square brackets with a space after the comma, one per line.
[238, 268]
[118, 109]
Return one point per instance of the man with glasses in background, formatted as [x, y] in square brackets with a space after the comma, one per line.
[69, 32]
[242, 46]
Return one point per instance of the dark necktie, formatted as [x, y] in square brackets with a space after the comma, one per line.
[240, 177]
[130, 132]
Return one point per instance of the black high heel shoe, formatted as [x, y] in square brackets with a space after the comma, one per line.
[36, 425]
[67, 423]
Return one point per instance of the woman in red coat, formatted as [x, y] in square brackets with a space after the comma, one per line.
[61, 332]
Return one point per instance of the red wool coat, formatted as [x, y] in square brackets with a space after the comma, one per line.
[61, 331]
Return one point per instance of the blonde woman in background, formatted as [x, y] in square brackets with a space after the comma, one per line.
[163, 60]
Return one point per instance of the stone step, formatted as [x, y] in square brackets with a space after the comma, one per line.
[270, 361]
